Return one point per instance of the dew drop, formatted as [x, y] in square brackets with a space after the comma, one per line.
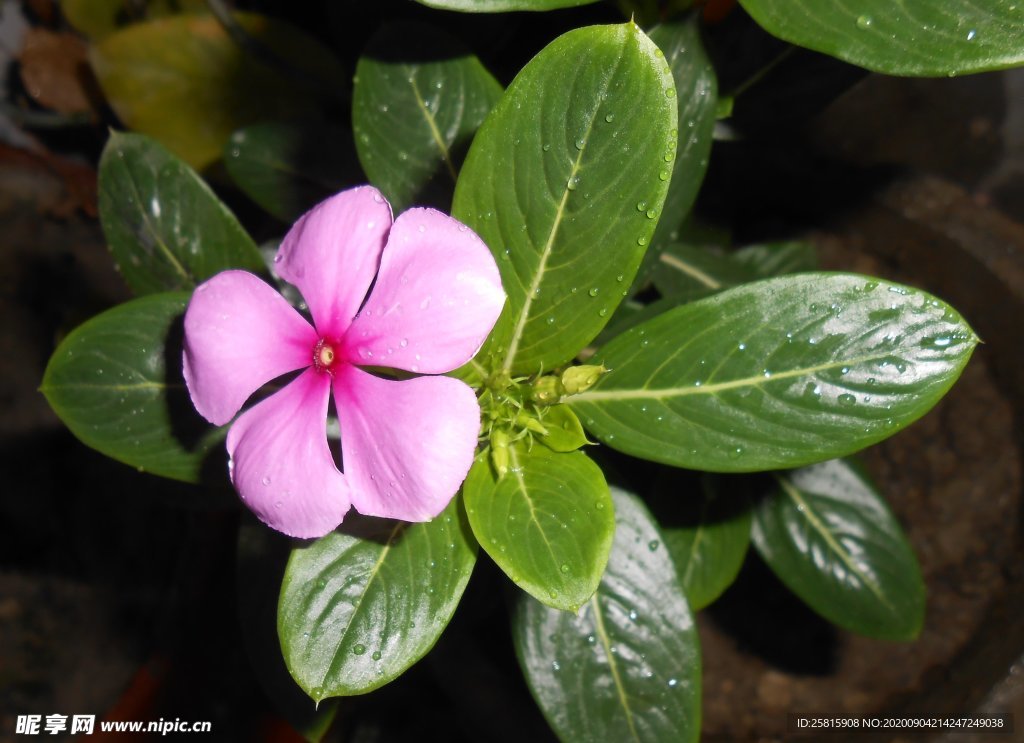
[670, 92]
[603, 311]
[564, 568]
[359, 649]
[593, 292]
[972, 34]
[641, 240]
[266, 480]
[672, 682]
[663, 175]
[846, 399]
[546, 148]
[375, 655]
[609, 118]
[378, 198]
[403, 343]
[641, 206]
[864, 22]
[653, 545]
[580, 144]
[278, 504]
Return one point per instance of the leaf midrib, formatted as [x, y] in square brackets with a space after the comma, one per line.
[331, 669]
[644, 393]
[674, 261]
[172, 259]
[620, 689]
[805, 509]
[524, 313]
[434, 131]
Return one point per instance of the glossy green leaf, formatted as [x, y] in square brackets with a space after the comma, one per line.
[778, 373]
[829, 536]
[289, 168]
[419, 98]
[565, 432]
[362, 604]
[696, 94]
[562, 182]
[547, 523]
[166, 229]
[627, 667]
[500, 6]
[186, 82]
[926, 38]
[116, 382]
[709, 550]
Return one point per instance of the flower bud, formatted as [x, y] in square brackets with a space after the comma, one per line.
[576, 379]
[499, 451]
[547, 390]
[530, 423]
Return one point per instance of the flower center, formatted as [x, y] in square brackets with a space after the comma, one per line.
[324, 356]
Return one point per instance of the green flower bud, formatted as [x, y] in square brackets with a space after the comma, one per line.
[547, 390]
[499, 451]
[576, 379]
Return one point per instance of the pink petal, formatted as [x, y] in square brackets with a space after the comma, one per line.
[406, 446]
[331, 254]
[281, 464]
[239, 334]
[437, 296]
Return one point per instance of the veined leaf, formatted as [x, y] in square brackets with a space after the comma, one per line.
[562, 182]
[627, 667]
[115, 381]
[419, 99]
[362, 604]
[778, 373]
[832, 540]
[929, 38]
[548, 522]
[166, 229]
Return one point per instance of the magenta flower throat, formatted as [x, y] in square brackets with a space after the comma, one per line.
[406, 444]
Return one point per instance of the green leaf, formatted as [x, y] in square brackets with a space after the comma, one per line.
[829, 536]
[165, 227]
[419, 98]
[289, 168]
[115, 381]
[547, 523]
[778, 373]
[627, 668]
[565, 432]
[925, 38]
[186, 82]
[362, 604]
[778, 259]
[696, 94]
[709, 550]
[559, 182]
[500, 6]
[689, 273]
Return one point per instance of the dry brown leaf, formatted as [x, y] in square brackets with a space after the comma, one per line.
[56, 73]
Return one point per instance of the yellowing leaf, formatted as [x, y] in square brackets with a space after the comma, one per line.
[185, 81]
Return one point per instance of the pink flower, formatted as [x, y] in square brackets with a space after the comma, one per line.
[406, 445]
